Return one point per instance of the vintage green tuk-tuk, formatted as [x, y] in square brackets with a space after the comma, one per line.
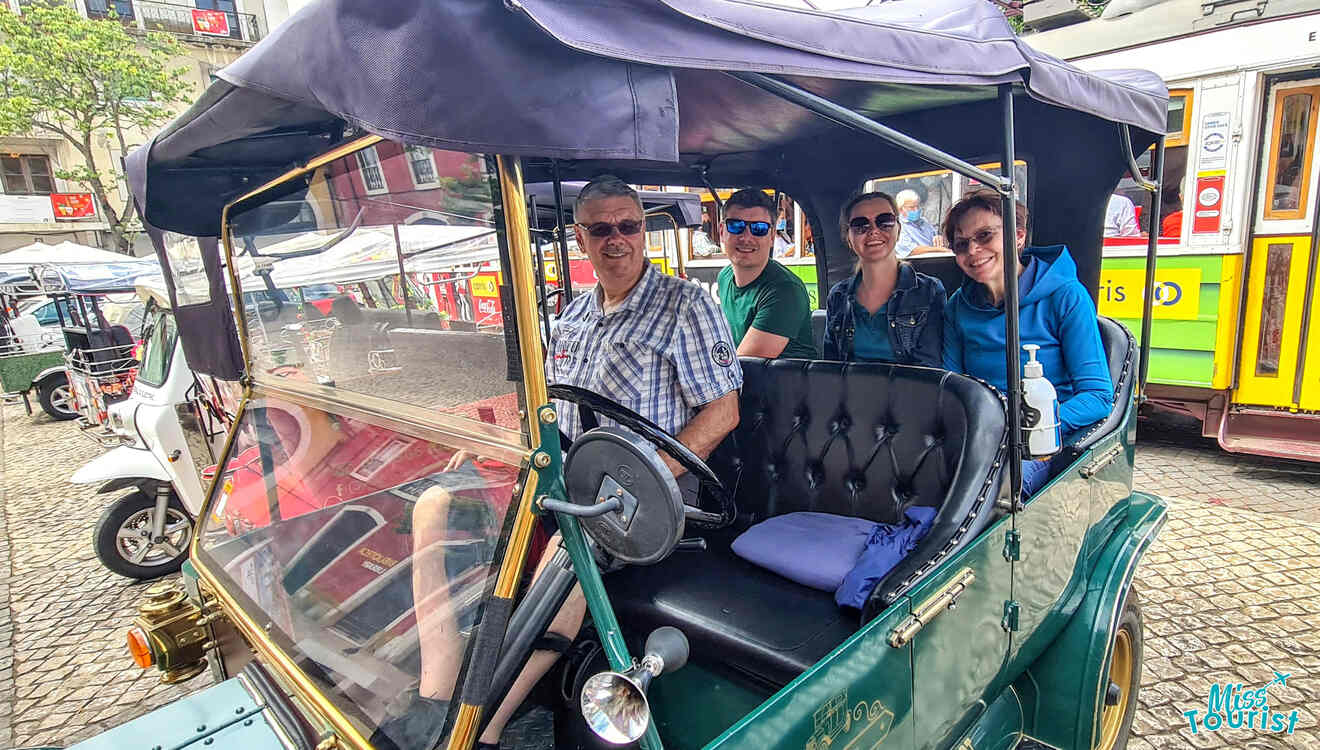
[361, 575]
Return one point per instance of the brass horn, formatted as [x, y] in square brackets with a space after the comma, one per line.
[614, 703]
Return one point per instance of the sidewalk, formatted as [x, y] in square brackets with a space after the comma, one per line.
[65, 671]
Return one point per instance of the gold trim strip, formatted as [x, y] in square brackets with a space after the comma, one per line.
[315, 163]
[231, 433]
[506, 584]
[518, 234]
[495, 442]
[469, 718]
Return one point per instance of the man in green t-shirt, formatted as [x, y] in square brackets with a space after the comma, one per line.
[766, 304]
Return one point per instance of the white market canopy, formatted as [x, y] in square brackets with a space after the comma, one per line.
[63, 254]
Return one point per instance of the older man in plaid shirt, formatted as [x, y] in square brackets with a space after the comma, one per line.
[653, 343]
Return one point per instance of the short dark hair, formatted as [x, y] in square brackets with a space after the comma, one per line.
[852, 203]
[605, 186]
[753, 198]
[984, 198]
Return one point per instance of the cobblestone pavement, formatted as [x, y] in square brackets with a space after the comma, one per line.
[1230, 593]
[65, 673]
[1174, 460]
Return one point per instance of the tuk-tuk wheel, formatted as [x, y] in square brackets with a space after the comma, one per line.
[56, 398]
[123, 542]
[1120, 702]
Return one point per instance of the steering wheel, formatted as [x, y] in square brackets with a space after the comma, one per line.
[590, 404]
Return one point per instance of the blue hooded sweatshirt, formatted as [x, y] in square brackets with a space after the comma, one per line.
[1057, 314]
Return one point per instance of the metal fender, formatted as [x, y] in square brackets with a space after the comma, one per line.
[120, 463]
[59, 370]
[1062, 692]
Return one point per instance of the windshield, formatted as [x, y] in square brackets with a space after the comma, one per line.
[398, 259]
[368, 550]
[158, 349]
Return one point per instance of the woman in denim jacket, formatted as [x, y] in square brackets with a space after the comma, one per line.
[887, 312]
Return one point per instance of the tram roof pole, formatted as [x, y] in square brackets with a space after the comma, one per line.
[1011, 259]
[1152, 251]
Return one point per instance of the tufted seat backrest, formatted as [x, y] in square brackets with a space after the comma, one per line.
[868, 440]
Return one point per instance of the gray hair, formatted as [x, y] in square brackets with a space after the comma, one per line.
[605, 186]
[906, 195]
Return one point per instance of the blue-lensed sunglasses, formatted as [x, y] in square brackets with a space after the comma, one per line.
[736, 226]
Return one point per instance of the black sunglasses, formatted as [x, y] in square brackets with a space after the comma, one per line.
[862, 225]
[736, 226]
[603, 229]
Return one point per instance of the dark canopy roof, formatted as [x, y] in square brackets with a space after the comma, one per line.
[639, 84]
[685, 208]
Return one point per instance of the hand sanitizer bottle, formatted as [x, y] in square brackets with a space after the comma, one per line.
[1040, 409]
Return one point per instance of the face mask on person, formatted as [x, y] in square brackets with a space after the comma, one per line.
[913, 215]
[782, 225]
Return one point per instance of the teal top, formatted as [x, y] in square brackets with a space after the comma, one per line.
[871, 334]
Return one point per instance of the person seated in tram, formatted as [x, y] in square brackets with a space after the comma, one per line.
[1121, 217]
[1054, 311]
[915, 230]
[767, 306]
[887, 311]
[1171, 205]
[653, 343]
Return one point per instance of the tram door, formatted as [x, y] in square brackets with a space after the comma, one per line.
[1280, 343]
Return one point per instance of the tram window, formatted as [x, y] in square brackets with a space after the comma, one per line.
[1179, 118]
[1290, 160]
[437, 336]
[704, 241]
[936, 192]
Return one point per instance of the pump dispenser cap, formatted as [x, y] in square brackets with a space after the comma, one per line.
[1032, 369]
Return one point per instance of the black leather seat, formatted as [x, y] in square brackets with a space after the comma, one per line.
[1121, 353]
[866, 440]
[818, 330]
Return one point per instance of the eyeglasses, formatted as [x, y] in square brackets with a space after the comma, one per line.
[981, 237]
[603, 229]
[737, 226]
[862, 225]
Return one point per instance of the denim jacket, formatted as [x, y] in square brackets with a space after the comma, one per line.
[916, 318]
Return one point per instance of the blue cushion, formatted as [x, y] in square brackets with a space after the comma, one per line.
[813, 549]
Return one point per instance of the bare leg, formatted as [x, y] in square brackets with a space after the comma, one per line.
[437, 627]
[567, 623]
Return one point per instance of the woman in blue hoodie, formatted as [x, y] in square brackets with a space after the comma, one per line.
[1054, 311]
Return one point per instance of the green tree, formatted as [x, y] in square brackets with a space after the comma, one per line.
[76, 78]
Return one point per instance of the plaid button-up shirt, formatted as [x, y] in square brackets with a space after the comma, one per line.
[663, 352]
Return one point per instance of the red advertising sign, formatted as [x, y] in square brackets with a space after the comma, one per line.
[1208, 204]
[73, 205]
[213, 22]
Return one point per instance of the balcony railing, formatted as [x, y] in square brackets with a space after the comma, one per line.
[176, 19]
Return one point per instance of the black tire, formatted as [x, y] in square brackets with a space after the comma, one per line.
[53, 393]
[1129, 628]
[130, 514]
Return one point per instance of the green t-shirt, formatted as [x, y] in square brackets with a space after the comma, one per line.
[776, 302]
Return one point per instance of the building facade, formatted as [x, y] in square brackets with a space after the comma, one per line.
[37, 205]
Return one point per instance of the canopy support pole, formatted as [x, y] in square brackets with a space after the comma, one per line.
[535, 236]
[850, 119]
[1008, 209]
[1125, 138]
[565, 277]
[403, 276]
[1152, 250]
